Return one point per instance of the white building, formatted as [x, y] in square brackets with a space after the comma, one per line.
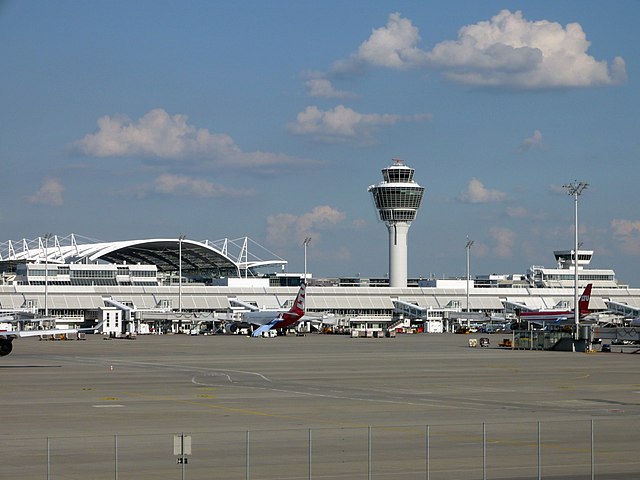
[85, 283]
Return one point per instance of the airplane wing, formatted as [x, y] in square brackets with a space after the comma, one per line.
[34, 333]
[266, 327]
[7, 337]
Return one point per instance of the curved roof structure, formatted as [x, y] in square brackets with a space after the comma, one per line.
[165, 253]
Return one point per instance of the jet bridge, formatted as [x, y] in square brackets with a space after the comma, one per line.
[126, 309]
[623, 309]
[236, 303]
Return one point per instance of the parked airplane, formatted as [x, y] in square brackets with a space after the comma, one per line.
[266, 320]
[7, 337]
[553, 315]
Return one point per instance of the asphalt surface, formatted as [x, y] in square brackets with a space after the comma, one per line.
[318, 406]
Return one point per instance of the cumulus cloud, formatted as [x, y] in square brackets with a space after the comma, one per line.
[504, 240]
[345, 124]
[391, 46]
[511, 51]
[505, 51]
[49, 193]
[323, 88]
[627, 234]
[476, 192]
[517, 212]
[534, 142]
[288, 229]
[183, 185]
[158, 135]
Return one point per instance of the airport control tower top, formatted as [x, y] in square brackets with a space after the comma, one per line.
[398, 196]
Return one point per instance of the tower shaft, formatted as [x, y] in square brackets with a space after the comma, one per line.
[398, 232]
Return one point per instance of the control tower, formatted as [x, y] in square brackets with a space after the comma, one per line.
[397, 199]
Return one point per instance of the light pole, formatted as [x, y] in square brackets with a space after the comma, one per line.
[47, 236]
[468, 247]
[306, 242]
[575, 189]
[180, 239]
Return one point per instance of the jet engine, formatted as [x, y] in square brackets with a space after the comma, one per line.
[6, 346]
[231, 328]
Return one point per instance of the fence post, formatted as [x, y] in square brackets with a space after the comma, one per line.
[593, 464]
[309, 454]
[369, 453]
[115, 454]
[182, 457]
[539, 454]
[428, 451]
[247, 458]
[48, 459]
[484, 451]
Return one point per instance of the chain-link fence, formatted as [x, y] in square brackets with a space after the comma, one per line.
[600, 448]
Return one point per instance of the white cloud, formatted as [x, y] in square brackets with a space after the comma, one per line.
[627, 234]
[290, 229]
[158, 135]
[49, 193]
[476, 192]
[504, 240]
[534, 142]
[343, 123]
[505, 51]
[323, 88]
[170, 184]
[511, 51]
[517, 212]
[391, 46]
[555, 189]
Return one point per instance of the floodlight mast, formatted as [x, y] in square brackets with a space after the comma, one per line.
[180, 239]
[47, 236]
[575, 189]
[468, 247]
[306, 242]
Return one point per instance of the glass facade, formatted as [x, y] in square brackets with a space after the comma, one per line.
[398, 175]
[98, 274]
[398, 197]
[398, 203]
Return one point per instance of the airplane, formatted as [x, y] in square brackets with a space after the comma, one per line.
[7, 337]
[554, 315]
[267, 320]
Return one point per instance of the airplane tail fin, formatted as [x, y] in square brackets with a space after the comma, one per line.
[298, 307]
[583, 303]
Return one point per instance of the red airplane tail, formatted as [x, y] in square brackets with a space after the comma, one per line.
[299, 303]
[583, 302]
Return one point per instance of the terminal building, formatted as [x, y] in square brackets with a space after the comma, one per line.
[134, 286]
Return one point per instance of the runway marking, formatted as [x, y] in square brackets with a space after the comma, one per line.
[108, 406]
[256, 380]
[338, 394]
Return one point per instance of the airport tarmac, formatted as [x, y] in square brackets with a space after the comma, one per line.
[313, 392]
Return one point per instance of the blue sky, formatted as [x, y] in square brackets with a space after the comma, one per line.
[143, 119]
